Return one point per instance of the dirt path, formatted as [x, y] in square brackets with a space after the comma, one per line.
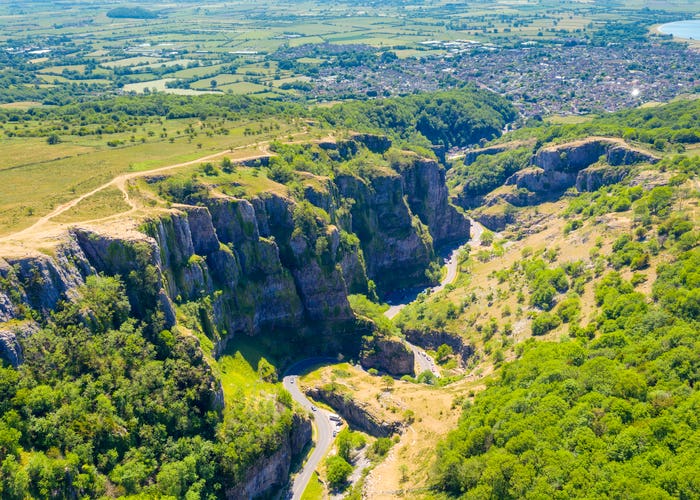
[43, 225]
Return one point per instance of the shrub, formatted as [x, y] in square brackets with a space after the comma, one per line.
[337, 471]
[544, 322]
[227, 165]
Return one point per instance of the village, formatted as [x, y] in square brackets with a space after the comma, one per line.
[541, 80]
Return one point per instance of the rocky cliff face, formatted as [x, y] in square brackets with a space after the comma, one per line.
[246, 257]
[137, 259]
[397, 247]
[558, 168]
[434, 339]
[400, 215]
[248, 267]
[272, 473]
[596, 176]
[389, 355]
[424, 183]
[39, 281]
[357, 414]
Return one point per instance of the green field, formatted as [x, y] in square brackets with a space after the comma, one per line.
[132, 55]
[43, 176]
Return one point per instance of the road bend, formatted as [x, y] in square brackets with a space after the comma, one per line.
[423, 361]
[322, 421]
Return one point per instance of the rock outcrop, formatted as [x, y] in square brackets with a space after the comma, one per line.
[271, 473]
[596, 176]
[137, 259]
[10, 346]
[433, 339]
[357, 414]
[246, 266]
[390, 355]
[38, 281]
[427, 195]
[397, 247]
[560, 167]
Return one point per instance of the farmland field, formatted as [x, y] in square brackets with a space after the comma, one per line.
[188, 42]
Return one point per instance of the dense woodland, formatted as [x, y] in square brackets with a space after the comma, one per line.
[455, 118]
[101, 406]
[610, 413]
[662, 127]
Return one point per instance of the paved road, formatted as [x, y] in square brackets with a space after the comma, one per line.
[423, 361]
[405, 297]
[324, 426]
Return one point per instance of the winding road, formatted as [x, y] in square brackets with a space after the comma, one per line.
[401, 299]
[423, 361]
[324, 426]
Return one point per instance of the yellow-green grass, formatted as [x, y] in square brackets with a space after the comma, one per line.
[244, 88]
[80, 68]
[237, 374]
[295, 42]
[33, 190]
[311, 60]
[20, 105]
[244, 181]
[62, 79]
[130, 61]
[693, 150]
[199, 71]
[174, 62]
[104, 203]
[314, 490]
[560, 119]
[159, 86]
[31, 150]
[221, 80]
[238, 367]
[315, 375]
[53, 79]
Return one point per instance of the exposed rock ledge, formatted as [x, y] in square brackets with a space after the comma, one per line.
[557, 168]
[390, 355]
[434, 339]
[272, 473]
[356, 413]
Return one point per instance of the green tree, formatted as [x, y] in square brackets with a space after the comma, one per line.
[344, 444]
[337, 471]
[443, 353]
[227, 165]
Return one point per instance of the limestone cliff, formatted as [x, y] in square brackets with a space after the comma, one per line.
[36, 281]
[271, 473]
[258, 269]
[390, 355]
[432, 339]
[358, 414]
[397, 247]
[424, 183]
[560, 167]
